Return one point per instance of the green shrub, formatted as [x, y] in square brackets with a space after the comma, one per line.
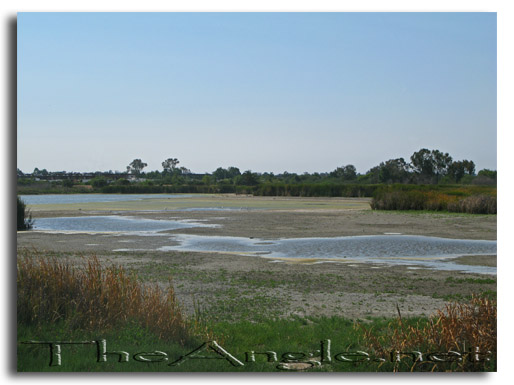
[24, 219]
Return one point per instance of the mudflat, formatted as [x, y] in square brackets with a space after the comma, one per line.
[229, 286]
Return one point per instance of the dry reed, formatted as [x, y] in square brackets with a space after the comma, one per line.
[461, 329]
[96, 298]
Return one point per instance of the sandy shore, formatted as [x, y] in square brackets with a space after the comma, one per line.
[231, 286]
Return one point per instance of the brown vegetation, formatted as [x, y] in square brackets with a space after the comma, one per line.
[470, 200]
[95, 298]
[465, 332]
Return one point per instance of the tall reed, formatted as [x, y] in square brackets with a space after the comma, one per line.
[95, 298]
[463, 328]
[462, 200]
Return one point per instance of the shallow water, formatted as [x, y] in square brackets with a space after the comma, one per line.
[391, 249]
[113, 223]
[86, 198]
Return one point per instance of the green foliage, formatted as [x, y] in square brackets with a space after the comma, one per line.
[67, 183]
[487, 173]
[136, 166]
[392, 171]
[98, 182]
[348, 172]
[248, 178]
[170, 164]
[24, 219]
[315, 190]
[430, 165]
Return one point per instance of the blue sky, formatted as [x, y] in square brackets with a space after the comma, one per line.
[301, 92]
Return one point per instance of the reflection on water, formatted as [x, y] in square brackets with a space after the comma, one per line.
[86, 198]
[113, 223]
[391, 249]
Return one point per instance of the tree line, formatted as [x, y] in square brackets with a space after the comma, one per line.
[425, 167]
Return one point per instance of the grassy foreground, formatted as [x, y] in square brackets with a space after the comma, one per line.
[89, 318]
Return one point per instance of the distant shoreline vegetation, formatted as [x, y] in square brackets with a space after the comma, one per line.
[432, 180]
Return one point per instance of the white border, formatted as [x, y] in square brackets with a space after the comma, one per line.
[505, 124]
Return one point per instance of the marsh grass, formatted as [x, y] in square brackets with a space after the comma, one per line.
[96, 297]
[465, 331]
[470, 200]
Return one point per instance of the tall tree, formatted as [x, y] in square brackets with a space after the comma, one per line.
[170, 164]
[136, 166]
[422, 162]
[442, 162]
[220, 173]
[348, 172]
[430, 165]
[392, 171]
[460, 168]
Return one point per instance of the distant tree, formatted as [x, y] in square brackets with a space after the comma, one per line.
[248, 178]
[422, 162]
[348, 172]
[430, 165]
[220, 173]
[38, 172]
[19, 172]
[233, 172]
[98, 181]
[442, 162]
[207, 180]
[392, 171]
[459, 169]
[122, 182]
[170, 164]
[485, 177]
[136, 166]
[268, 177]
[487, 173]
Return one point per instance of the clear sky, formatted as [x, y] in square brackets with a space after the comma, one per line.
[301, 92]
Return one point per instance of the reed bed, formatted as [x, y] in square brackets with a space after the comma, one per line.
[460, 200]
[94, 297]
[464, 332]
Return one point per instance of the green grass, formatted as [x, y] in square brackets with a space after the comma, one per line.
[301, 336]
[272, 342]
[480, 281]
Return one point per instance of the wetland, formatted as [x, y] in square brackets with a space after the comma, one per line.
[245, 257]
